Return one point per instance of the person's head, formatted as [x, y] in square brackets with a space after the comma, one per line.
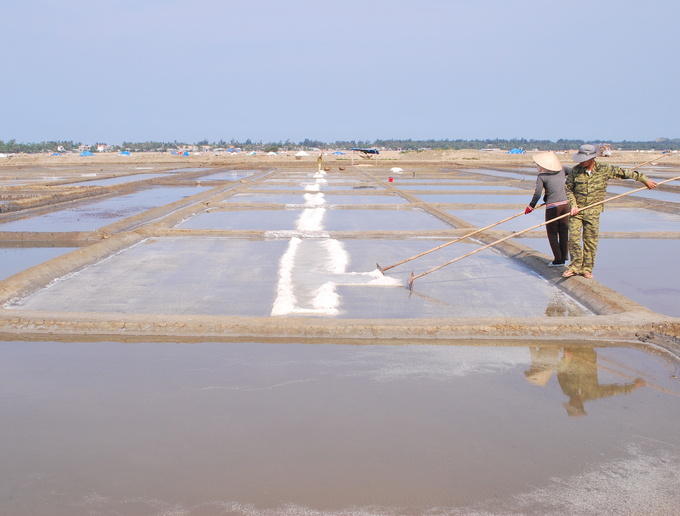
[586, 155]
[547, 161]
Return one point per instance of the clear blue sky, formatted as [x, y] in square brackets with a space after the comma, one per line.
[267, 70]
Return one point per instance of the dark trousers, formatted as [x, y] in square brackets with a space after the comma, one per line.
[558, 232]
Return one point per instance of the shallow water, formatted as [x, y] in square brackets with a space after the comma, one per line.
[274, 220]
[229, 175]
[641, 270]
[410, 180]
[497, 173]
[475, 198]
[610, 220]
[333, 220]
[118, 180]
[381, 220]
[264, 429]
[483, 218]
[454, 188]
[315, 198]
[308, 186]
[648, 194]
[176, 170]
[91, 215]
[17, 259]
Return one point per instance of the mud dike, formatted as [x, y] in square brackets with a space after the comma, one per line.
[289, 253]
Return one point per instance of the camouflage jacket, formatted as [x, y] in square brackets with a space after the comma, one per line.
[584, 190]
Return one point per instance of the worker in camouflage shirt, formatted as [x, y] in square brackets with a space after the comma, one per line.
[586, 185]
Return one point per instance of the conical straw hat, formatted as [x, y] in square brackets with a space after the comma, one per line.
[548, 161]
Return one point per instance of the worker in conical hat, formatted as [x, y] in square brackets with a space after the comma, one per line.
[319, 160]
[551, 178]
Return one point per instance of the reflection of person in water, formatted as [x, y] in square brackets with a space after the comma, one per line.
[576, 374]
[543, 363]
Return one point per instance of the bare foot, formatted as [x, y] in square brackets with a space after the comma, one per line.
[568, 273]
[588, 275]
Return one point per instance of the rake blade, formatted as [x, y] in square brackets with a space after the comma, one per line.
[380, 268]
[410, 281]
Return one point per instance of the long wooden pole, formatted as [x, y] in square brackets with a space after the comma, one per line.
[381, 269]
[413, 278]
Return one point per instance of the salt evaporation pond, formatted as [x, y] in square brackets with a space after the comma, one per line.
[90, 215]
[261, 429]
[118, 180]
[612, 219]
[17, 259]
[638, 269]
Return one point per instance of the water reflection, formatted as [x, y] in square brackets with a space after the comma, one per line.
[289, 429]
[577, 375]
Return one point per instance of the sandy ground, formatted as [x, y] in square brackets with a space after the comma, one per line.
[471, 158]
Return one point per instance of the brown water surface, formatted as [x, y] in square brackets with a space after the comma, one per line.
[248, 428]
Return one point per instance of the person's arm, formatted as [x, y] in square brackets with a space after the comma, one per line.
[537, 195]
[621, 173]
[569, 187]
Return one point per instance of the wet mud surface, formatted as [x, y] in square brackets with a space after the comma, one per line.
[262, 429]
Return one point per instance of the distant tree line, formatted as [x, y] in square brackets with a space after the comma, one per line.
[12, 147]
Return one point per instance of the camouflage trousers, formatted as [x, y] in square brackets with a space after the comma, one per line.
[586, 228]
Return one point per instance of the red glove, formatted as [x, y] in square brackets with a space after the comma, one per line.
[528, 210]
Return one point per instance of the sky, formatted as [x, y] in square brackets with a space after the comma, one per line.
[138, 70]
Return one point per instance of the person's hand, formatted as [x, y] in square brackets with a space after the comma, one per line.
[650, 184]
[574, 210]
[639, 382]
[528, 210]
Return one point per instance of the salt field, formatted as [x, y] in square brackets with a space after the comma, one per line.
[118, 180]
[17, 259]
[520, 198]
[95, 214]
[239, 277]
[236, 349]
[612, 219]
[286, 260]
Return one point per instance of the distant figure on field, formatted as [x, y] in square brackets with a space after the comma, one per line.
[586, 185]
[319, 160]
[551, 178]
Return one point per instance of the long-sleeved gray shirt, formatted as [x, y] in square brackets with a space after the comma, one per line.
[553, 183]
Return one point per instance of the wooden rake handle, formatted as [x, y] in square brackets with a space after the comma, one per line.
[475, 232]
[413, 278]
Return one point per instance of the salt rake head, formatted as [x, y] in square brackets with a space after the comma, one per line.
[382, 271]
[410, 282]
